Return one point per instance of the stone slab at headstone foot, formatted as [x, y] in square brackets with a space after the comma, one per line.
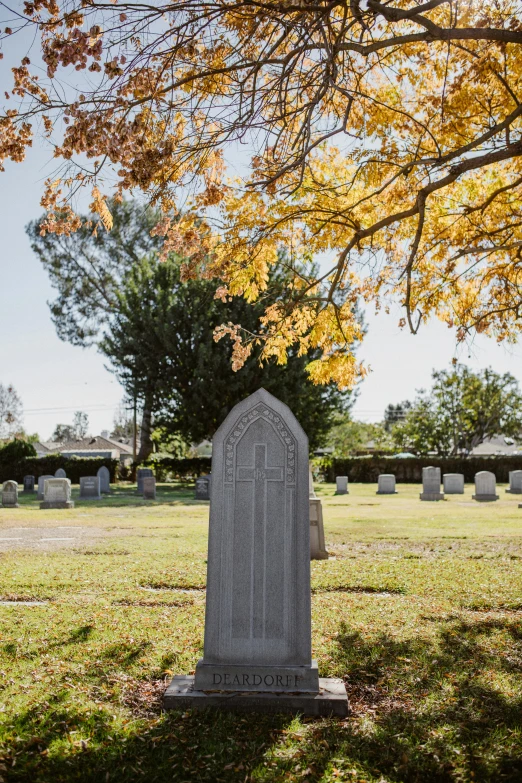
[10, 494]
[60, 473]
[149, 488]
[57, 494]
[202, 488]
[431, 484]
[28, 484]
[142, 473]
[386, 484]
[515, 482]
[90, 488]
[453, 483]
[105, 479]
[317, 542]
[341, 483]
[257, 649]
[41, 482]
[485, 486]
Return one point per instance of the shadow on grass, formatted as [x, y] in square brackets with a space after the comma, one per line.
[442, 710]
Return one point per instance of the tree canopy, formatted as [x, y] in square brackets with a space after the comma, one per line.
[385, 135]
[460, 411]
[161, 344]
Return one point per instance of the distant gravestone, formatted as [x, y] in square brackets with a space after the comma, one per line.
[453, 483]
[60, 473]
[431, 484]
[257, 651]
[57, 494]
[341, 485]
[485, 486]
[140, 475]
[202, 489]
[90, 488]
[317, 542]
[105, 479]
[386, 484]
[149, 488]
[28, 484]
[41, 482]
[10, 494]
[515, 482]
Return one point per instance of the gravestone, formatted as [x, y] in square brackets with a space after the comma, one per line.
[386, 484]
[453, 483]
[60, 473]
[105, 479]
[257, 650]
[431, 484]
[10, 494]
[341, 485]
[317, 542]
[149, 488]
[140, 475]
[57, 494]
[202, 489]
[28, 484]
[41, 482]
[515, 482]
[90, 488]
[485, 486]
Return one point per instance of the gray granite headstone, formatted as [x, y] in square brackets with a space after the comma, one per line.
[386, 484]
[453, 483]
[28, 484]
[90, 488]
[257, 650]
[149, 488]
[341, 483]
[41, 482]
[57, 494]
[141, 473]
[202, 489]
[431, 484]
[10, 494]
[60, 473]
[515, 482]
[485, 486]
[105, 479]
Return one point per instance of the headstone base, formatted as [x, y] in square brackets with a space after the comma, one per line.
[343, 493]
[431, 496]
[514, 491]
[386, 493]
[331, 699]
[484, 498]
[223, 677]
[10, 505]
[57, 504]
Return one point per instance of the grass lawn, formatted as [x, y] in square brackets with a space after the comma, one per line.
[419, 610]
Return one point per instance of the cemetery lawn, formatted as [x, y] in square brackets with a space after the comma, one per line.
[420, 612]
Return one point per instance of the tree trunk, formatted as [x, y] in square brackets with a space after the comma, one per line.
[146, 431]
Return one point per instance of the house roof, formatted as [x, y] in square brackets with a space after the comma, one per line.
[497, 445]
[96, 443]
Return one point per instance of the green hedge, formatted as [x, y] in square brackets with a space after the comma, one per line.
[47, 466]
[366, 470]
[168, 468]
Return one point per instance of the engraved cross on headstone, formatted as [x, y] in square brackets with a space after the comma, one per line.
[259, 471]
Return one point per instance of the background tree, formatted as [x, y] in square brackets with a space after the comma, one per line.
[162, 347]
[395, 413]
[348, 437]
[123, 424]
[394, 127]
[80, 425]
[63, 433]
[11, 412]
[461, 411]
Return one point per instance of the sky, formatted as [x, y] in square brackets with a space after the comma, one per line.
[54, 379]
